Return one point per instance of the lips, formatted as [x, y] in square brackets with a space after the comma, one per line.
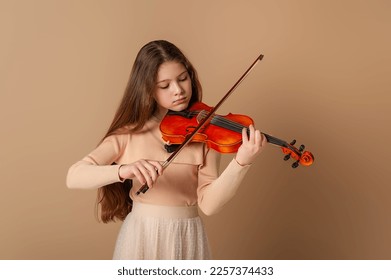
[180, 100]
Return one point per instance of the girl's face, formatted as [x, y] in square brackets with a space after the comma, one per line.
[173, 87]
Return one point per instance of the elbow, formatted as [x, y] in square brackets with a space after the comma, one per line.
[207, 206]
[210, 205]
[70, 183]
[76, 177]
[71, 179]
[208, 210]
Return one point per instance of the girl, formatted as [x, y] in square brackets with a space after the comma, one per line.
[162, 223]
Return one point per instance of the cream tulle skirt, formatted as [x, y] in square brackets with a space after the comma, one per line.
[152, 232]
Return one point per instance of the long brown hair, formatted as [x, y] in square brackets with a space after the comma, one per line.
[136, 108]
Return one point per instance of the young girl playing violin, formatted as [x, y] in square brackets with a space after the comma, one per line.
[162, 223]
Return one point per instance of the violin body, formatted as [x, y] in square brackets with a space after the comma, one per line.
[177, 125]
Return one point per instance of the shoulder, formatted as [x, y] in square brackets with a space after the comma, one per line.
[124, 134]
[118, 138]
[132, 128]
[125, 130]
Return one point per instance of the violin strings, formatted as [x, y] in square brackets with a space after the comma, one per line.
[217, 120]
[237, 127]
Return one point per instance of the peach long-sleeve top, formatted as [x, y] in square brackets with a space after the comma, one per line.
[191, 179]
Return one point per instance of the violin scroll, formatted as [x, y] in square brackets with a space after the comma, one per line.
[302, 157]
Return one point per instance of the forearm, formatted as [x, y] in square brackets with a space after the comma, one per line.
[86, 175]
[215, 195]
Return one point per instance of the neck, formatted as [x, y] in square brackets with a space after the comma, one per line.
[160, 113]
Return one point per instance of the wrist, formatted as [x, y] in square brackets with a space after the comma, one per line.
[241, 163]
[121, 179]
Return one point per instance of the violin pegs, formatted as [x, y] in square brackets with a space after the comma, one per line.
[295, 164]
[288, 156]
[301, 148]
[293, 142]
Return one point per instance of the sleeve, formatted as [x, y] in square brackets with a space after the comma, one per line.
[215, 191]
[97, 169]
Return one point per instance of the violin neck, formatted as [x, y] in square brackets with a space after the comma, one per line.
[273, 140]
[219, 121]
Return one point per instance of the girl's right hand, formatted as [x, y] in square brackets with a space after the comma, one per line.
[145, 171]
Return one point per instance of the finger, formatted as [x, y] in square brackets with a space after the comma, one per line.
[264, 140]
[258, 138]
[251, 138]
[152, 170]
[157, 166]
[244, 135]
[139, 176]
[145, 170]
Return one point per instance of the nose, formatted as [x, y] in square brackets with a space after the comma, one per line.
[177, 89]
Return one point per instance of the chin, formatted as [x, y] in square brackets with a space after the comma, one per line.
[180, 107]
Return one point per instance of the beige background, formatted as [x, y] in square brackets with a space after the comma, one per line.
[325, 80]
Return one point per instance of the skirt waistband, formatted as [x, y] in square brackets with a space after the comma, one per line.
[160, 211]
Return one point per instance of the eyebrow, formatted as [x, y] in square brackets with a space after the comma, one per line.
[169, 79]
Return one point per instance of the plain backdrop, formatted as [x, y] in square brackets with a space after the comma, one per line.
[324, 81]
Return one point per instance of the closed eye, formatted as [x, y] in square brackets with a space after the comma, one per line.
[164, 87]
[183, 78]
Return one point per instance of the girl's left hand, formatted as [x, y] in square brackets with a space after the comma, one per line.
[252, 146]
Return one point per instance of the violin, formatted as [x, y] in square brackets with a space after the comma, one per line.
[201, 124]
[221, 133]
